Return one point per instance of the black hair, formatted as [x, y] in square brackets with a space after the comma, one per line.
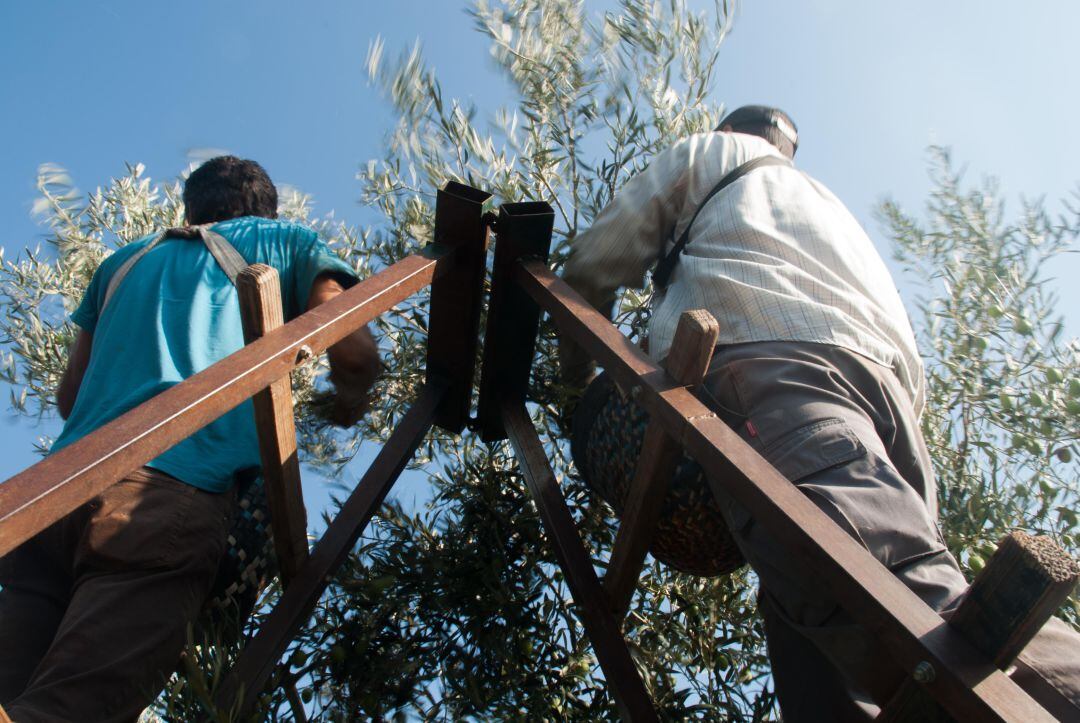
[772, 124]
[228, 187]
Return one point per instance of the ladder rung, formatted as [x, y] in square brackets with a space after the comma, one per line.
[691, 352]
[260, 310]
[1025, 581]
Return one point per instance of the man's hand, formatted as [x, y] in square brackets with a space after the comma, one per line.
[352, 386]
[576, 367]
[354, 362]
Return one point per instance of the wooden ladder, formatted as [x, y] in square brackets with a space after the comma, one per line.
[943, 669]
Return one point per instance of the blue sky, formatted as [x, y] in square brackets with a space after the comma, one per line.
[90, 85]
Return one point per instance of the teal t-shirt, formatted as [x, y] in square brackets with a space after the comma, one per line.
[175, 314]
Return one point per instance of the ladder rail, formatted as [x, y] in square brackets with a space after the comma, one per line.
[602, 627]
[260, 655]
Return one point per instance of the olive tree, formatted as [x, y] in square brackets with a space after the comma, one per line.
[1003, 379]
[454, 608]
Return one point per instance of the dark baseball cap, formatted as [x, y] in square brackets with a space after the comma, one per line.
[757, 115]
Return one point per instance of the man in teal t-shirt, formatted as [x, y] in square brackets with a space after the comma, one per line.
[94, 610]
[196, 323]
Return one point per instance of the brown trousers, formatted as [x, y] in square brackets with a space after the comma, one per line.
[842, 428]
[94, 610]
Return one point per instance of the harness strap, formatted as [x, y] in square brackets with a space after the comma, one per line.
[665, 264]
[226, 255]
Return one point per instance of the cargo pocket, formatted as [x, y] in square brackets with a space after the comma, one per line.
[135, 525]
[813, 456]
[814, 447]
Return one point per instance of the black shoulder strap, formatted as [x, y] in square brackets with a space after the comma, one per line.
[226, 255]
[665, 264]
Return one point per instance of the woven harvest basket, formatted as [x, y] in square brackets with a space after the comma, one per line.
[249, 559]
[606, 439]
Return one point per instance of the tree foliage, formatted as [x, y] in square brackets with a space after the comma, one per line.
[1003, 381]
[454, 608]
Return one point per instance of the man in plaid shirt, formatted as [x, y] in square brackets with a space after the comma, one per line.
[816, 368]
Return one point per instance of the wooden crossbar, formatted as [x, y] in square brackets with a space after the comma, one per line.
[1025, 581]
[261, 312]
[692, 349]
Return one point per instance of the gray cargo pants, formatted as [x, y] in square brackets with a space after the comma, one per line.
[842, 428]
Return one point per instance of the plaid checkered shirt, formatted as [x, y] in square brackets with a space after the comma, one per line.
[774, 257]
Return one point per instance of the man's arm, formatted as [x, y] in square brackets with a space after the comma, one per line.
[78, 360]
[354, 361]
[623, 244]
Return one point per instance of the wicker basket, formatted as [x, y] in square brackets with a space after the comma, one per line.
[249, 559]
[606, 438]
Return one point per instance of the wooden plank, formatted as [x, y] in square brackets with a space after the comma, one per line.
[691, 352]
[523, 230]
[622, 677]
[42, 494]
[1024, 583]
[456, 300]
[260, 312]
[1026, 580]
[258, 658]
[969, 686]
